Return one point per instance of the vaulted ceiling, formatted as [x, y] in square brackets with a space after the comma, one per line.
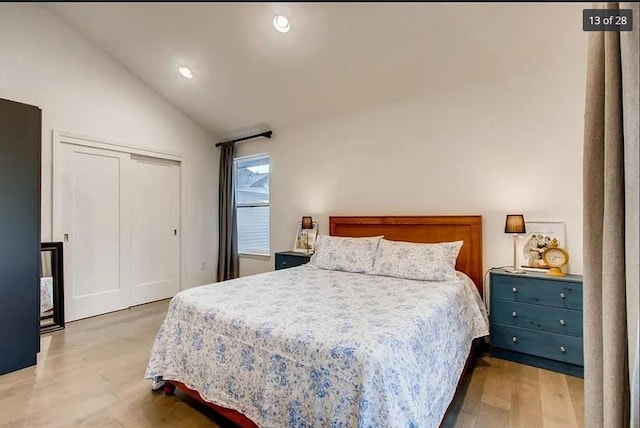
[337, 58]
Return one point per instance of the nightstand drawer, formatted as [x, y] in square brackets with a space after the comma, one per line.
[535, 290]
[536, 317]
[286, 260]
[547, 345]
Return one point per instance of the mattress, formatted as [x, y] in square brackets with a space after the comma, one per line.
[312, 347]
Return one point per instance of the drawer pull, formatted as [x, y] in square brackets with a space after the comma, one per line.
[514, 339]
[514, 314]
[514, 289]
[563, 349]
[562, 322]
[562, 295]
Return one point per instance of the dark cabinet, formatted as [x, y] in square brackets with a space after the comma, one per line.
[20, 152]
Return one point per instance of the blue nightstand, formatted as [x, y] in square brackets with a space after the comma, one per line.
[536, 319]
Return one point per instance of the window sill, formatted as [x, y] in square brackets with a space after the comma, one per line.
[256, 256]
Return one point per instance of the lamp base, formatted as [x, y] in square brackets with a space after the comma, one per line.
[515, 270]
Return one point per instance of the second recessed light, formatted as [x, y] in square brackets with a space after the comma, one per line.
[186, 72]
[281, 23]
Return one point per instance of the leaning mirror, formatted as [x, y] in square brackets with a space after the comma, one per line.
[51, 287]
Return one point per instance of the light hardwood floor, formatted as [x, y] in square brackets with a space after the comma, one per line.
[91, 375]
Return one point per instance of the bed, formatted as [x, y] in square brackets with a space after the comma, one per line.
[314, 347]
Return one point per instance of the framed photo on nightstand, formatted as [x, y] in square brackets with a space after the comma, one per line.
[537, 239]
[305, 239]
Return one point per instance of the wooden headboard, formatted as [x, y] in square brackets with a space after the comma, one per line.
[424, 229]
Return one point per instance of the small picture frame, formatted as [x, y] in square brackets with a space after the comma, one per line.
[305, 241]
[537, 239]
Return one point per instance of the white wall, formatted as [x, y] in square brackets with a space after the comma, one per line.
[511, 145]
[82, 90]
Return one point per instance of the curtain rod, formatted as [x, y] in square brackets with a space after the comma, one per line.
[266, 134]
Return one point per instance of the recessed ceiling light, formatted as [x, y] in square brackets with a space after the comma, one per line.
[281, 23]
[186, 72]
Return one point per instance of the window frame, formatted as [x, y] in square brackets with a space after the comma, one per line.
[236, 161]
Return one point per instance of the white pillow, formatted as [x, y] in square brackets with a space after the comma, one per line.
[345, 254]
[425, 262]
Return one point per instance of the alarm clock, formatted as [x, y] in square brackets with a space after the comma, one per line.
[556, 258]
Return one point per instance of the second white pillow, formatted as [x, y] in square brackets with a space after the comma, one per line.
[425, 262]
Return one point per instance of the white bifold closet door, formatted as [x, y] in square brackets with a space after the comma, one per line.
[155, 209]
[118, 218]
[95, 226]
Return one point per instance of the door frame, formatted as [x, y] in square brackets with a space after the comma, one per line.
[64, 137]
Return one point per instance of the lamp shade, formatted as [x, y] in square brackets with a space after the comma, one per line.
[307, 222]
[514, 224]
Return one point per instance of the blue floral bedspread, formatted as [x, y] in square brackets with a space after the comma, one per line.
[305, 347]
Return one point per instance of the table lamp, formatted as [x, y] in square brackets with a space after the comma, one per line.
[514, 224]
[307, 224]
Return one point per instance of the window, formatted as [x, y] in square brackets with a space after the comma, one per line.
[252, 203]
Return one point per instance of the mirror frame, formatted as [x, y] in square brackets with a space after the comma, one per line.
[58, 287]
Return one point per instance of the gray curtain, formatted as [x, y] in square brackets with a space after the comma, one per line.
[608, 192]
[228, 266]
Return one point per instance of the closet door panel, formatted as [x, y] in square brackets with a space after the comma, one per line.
[155, 208]
[95, 217]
